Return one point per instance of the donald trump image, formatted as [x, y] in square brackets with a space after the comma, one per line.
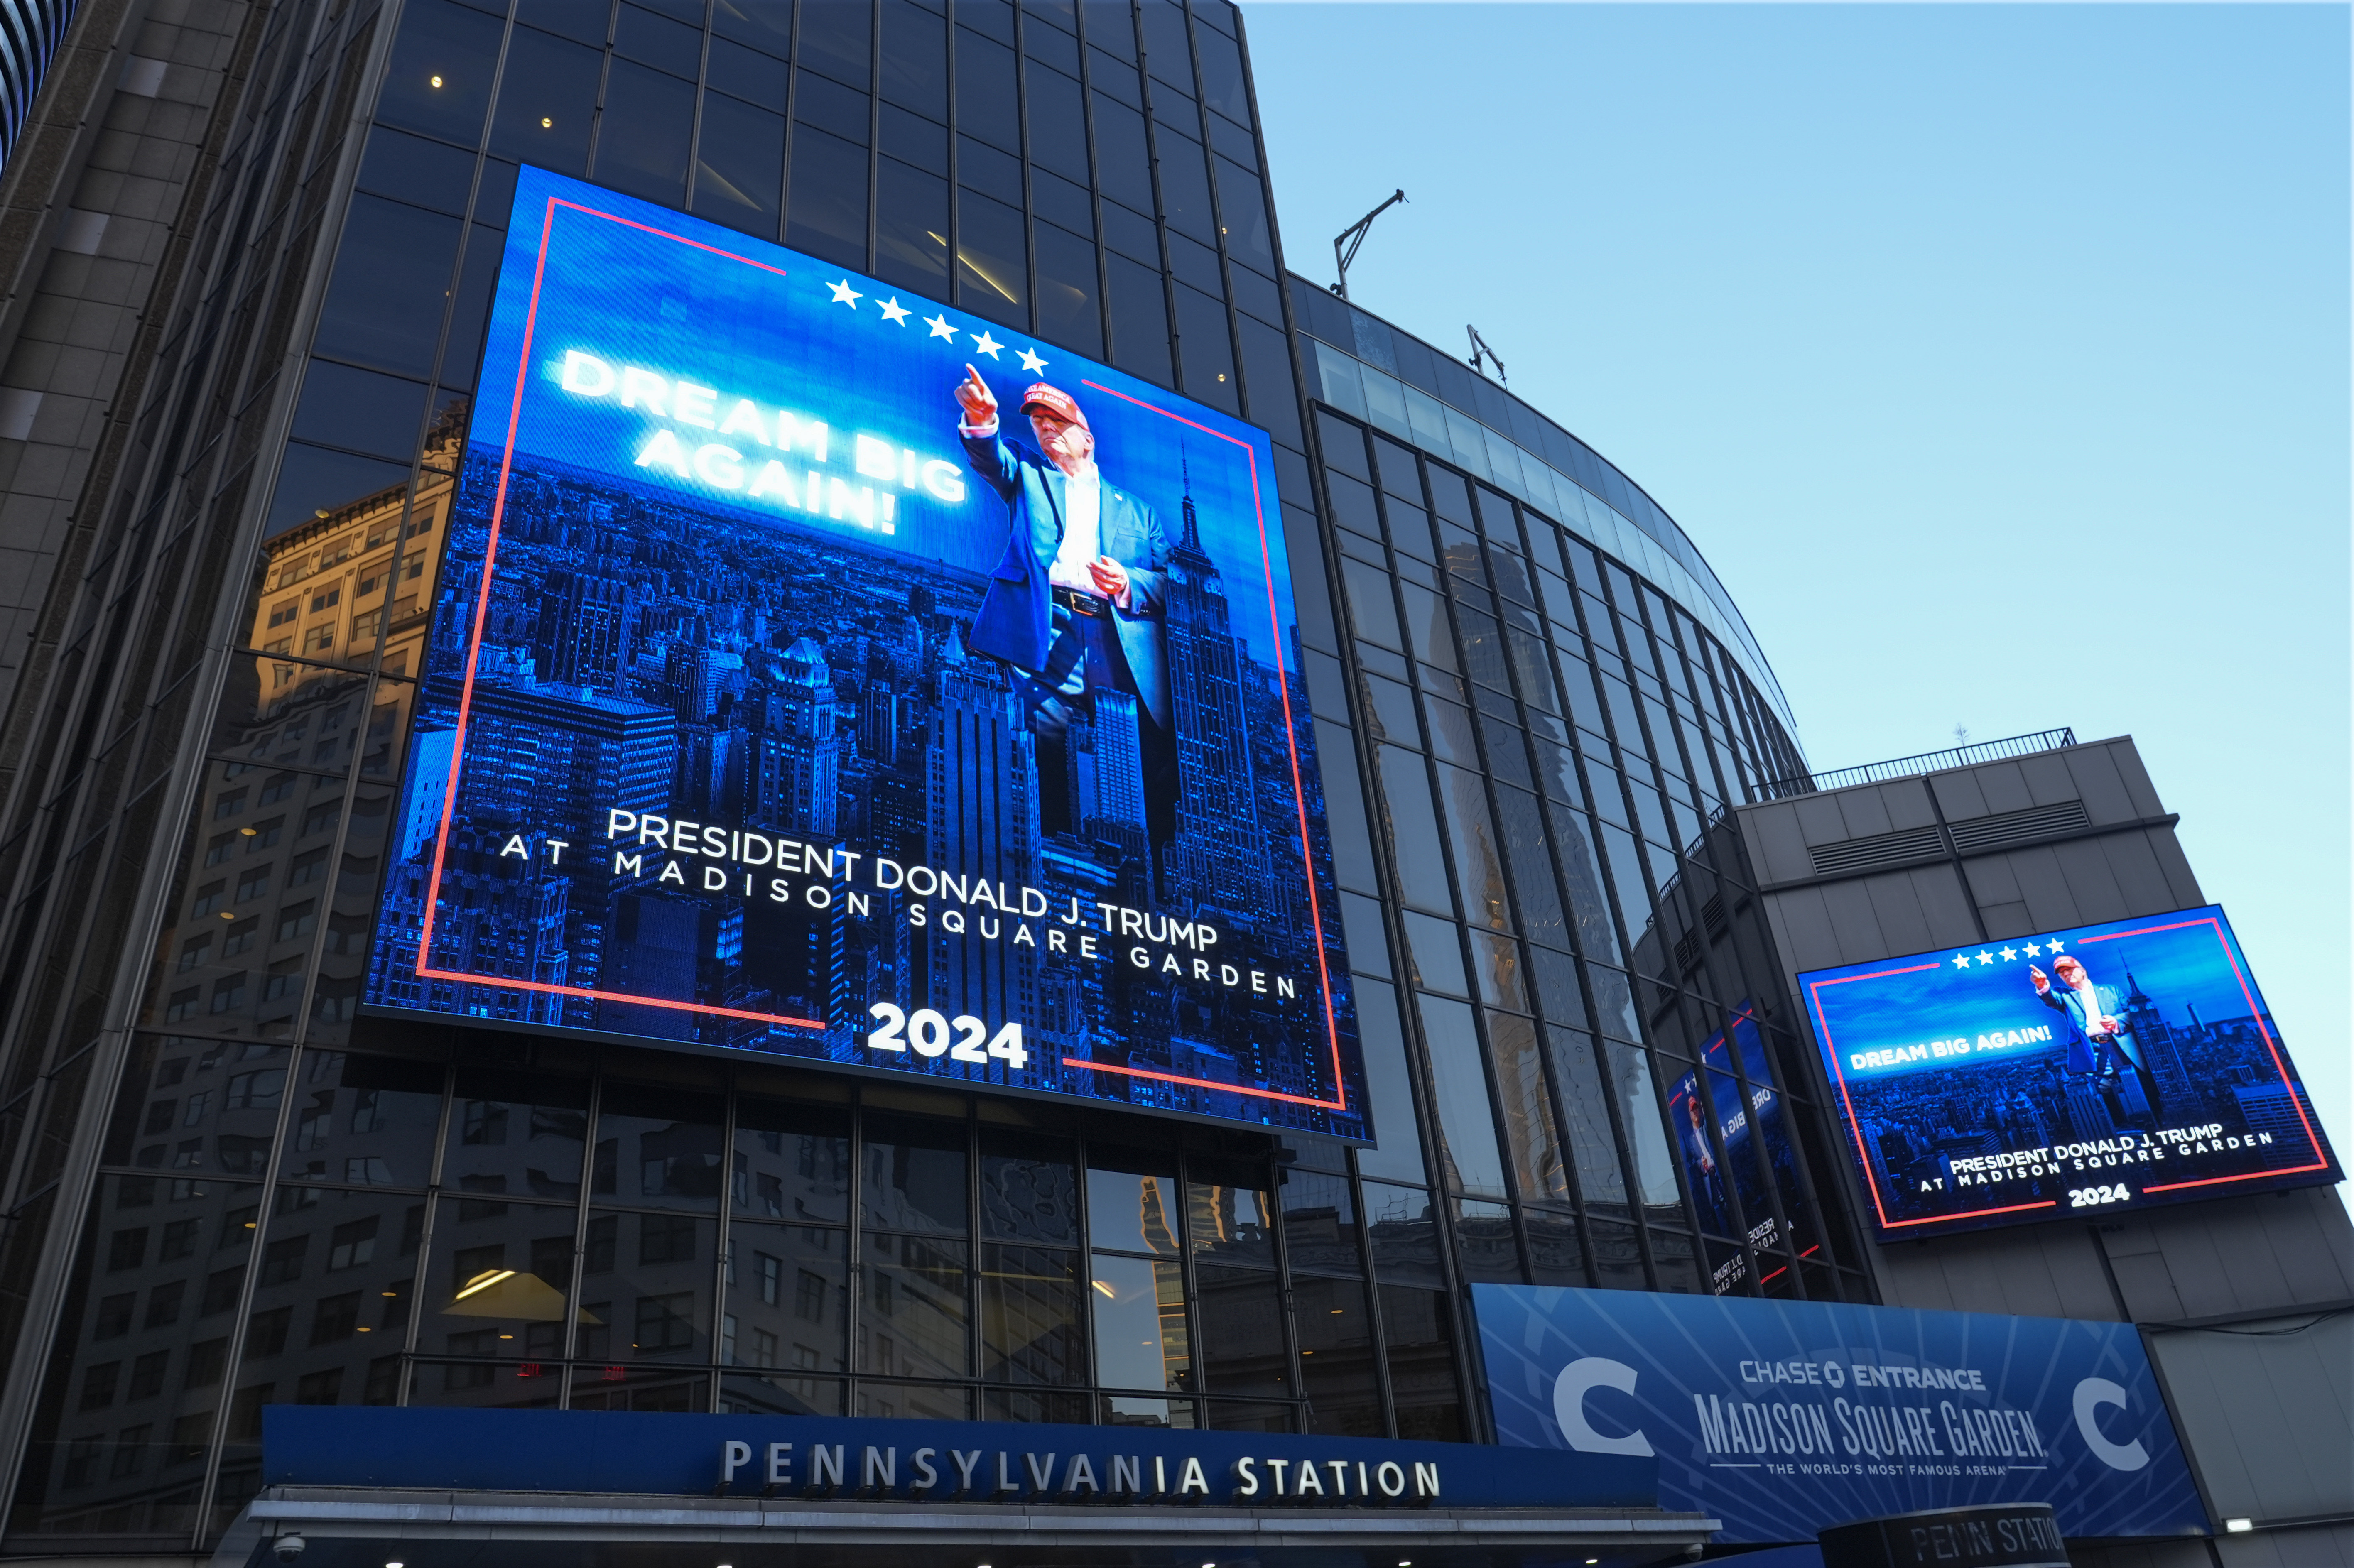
[1077, 604]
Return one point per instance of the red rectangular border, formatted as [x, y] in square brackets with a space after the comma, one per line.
[1855, 1132]
[466, 697]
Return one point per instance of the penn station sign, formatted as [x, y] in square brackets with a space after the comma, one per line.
[952, 1463]
[1083, 1477]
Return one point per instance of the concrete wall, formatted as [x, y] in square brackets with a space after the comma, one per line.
[2247, 1302]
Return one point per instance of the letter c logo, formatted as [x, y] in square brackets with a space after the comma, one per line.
[2091, 1394]
[1569, 1406]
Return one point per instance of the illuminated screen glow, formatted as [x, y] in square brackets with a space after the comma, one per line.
[770, 707]
[2144, 1068]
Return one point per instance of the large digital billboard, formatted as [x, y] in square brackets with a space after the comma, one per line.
[822, 671]
[2065, 1074]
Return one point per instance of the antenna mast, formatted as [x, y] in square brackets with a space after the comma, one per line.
[1344, 244]
[1479, 348]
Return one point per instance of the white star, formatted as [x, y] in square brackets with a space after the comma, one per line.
[1032, 363]
[1962, 961]
[2033, 951]
[2055, 945]
[1984, 957]
[893, 312]
[2009, 954]
[986, 345]
[940, 328]
[843, 294]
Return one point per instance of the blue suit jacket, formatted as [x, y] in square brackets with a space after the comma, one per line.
[1016, 619]
[2087, 1054]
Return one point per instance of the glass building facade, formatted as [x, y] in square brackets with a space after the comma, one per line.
[226, 1187]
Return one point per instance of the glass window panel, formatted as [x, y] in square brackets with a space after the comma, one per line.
[360, 410]
[142, 1386]
[1497, 962]
[643, 135]
[914, 1402]
[837, 39]
[985, 93]
[752, 76]
[1556, 1253]
[787, 1303]
[742, 1394]
[1140, 319]
[1485, 1248]
[1467, 1140]
[658, 1148]
[1128, 1410]
[1402, 1229]
[913, 1311]
[640, 35]
[792, 1161]
[1243, 1350]
[1034, 1405]
[1413, 831]
[640, 1388]
[1418, 1346]
[1141, 1340]
[499, 1281]
[1030, 1320]
[547, 102]
[1058, 127]
[1432, 639]
[1388, 1085]
[1336, 1359]
[1389, 710]
[486, 1385]
[739, 170]
[1479, 870]
[363, 1120]
[385, 297]
[1618, 1261]
[992, 261]
[1029, 1188]
[1068, 307]
[1647, 1139]
[1451, 733]
[1370, 605]
[826, 212]
[1123, 166]
[1614, 1002]
[1435, 954]
[1228, 1216]
[1206, 350]
[522, 1133]
[1319, 1226]
[646, 1279]
[1522, 823]
[443, 64]
[1132, 1212]
[914, 1175]
[911, 245]
[1528, 1109]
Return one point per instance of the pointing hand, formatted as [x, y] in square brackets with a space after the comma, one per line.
[978, 402]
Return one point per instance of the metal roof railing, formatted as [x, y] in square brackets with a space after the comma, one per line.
[1926, 762]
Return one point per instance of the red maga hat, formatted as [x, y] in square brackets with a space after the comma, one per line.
[1056, 402]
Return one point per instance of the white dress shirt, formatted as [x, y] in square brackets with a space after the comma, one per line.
[1082, 524]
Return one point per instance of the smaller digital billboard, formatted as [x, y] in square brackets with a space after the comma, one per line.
[2076, 1072]
[1729, 1174]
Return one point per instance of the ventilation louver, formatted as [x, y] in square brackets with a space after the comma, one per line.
[1877, 853]
[2015, 827]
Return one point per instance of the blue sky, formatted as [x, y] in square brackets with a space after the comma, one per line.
[1996, 356]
